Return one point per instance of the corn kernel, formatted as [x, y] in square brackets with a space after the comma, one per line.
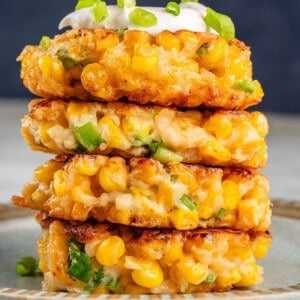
[228, 279]
[45, 172]
[173, 253]
[215, 152]
[192, 272]
[144, 64]
[43, 134]
[113, 175]
[86, 165]
[76, 109]
[146, 273]
[146, 171]
[260, 247]
[165, 196]
[51, 68]
[184, 219]
[168, 41]
[59, 183]
[231, 195]
[249, 211]
[79, 212]
[110, 250]
[260, 122]
[113, 134]
[251, 277]
[220, 127]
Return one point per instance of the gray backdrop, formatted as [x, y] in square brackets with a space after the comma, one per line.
[271, 27]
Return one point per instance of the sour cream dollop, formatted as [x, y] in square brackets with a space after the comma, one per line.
[191, 17]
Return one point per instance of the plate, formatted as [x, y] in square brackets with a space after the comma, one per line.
[18, 232]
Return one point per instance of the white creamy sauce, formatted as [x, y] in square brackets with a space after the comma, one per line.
[191, 17]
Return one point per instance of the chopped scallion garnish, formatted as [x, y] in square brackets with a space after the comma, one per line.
[26, 266]
[120, 32]
[95, 281]
[100, 11]
[210, 279]
[245, 85]
[80, 265]
[85, 3]
[88, 136]
[112, 284]
[68, 61]
[126, 3]
[165, 155]
[220, 22]
[173, 178]
[203, 49]
[142, 17]
[45, 42]
[173, 8]
[188, 202]
[220, 214]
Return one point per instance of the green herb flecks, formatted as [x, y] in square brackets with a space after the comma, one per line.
[203, 49]
[210, 279]
[220, 214]
[245, 85]
[27, 265]
[45, 42]
[188, 202]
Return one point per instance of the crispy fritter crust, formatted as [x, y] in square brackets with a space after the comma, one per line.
[146, 193]
[164, 69]
[179, 261]
[218, 138]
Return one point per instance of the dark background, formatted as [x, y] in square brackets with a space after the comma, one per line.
[270, 27]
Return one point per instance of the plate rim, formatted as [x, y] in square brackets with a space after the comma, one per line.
[280, 207]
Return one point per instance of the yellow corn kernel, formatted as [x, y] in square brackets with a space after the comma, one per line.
[80, 212]
[190, 40]
[43, 134]
[86, 165]
[137, 125]
[42, 252]
[144, 64]
[215, 152]
[168, 41]
[110, 250]
[51, 68]
[185, 175]
[113, 175]
[133, 38]
[146, 273]
[188, 65]
[113, 134]
[258, 91]
[165, 196]
[75, 108]
[59, 183]
[260, 247]
[231, 195]
[251, 277]
[107, 42]
[192, 272]
[173, 253]
[219, 126]
[184, 219]
[228, 279]
[215, 55]
[94, 78]
[45, 172]
[123, 216]
[146, 171]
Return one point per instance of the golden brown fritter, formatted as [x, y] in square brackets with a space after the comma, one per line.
[128, 260]
[218, 138]
[146, 193]
[184, 69]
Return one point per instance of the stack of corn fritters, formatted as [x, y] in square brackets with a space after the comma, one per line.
[155, 187]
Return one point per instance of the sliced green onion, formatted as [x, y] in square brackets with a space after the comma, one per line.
[112, 284]
[126, 3]
[120, 31]
[184, 1]
[165, 155]
[173, 8]
[80, 265]
[88, 136]
[220, 214]
[100, 11]
[85, 3]
[45, 42]
[220, 22]
[173, 178]
[210, 279]
[188, 202]
[203, 49]
[153, 146]
[68, 61]
[245, 85]
[142, 17]
[26, 266]
[96, 280]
